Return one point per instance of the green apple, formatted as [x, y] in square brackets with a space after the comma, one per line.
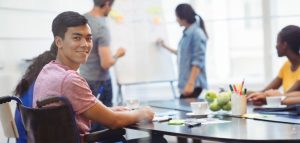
[223, 98]
[214, 106]
[229, 93]
[227, 107]
[210, 96]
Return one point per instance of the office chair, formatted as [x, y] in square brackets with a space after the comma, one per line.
[56, 123]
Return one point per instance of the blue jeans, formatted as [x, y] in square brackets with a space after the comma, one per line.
[104, 88]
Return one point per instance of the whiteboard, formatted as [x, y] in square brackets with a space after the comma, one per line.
[136, 25]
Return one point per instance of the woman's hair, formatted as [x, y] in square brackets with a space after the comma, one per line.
[34, 69]
[291, 35]
[186, 12]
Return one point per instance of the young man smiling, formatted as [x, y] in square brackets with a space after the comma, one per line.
[72, 36]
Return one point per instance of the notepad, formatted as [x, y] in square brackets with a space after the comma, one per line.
[289, 110]
[176, 122]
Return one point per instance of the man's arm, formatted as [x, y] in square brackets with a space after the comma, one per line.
[106, 57]
[101, 114]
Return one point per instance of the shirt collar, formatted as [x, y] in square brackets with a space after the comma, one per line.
[190, 29]
[61, 65]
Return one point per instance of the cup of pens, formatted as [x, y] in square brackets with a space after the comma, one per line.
[239, 104]
[238, 101]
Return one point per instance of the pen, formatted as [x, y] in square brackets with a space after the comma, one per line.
[231, 89]
[164, 120]
[100, 91]
[241, 89]
[190, 125]
[245, 91]
[235, 90]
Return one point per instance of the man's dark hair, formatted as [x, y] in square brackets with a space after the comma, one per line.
[291, 35]
[67, 19]
[101, 3]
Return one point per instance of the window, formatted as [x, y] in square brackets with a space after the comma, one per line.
[235, 48]
[283, 13]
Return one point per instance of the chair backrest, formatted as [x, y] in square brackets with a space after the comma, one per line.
[6, 117]
[8, 122]
[52, 122]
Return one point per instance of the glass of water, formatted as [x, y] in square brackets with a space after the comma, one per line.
[132, 102]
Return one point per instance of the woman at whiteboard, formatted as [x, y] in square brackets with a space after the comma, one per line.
[191, 52]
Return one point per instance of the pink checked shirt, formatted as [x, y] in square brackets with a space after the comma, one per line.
[59, 80]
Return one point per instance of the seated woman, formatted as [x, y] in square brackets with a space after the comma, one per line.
[288, 44]
[24, 88]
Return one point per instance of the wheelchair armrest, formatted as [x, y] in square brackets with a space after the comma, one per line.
[104, 135]
[50, 100]
[5, 99]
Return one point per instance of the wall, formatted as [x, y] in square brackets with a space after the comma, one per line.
[25, 33]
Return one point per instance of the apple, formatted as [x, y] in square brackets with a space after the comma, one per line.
[229, 93]
[214, 106]
[227, 107]
[210, 96]
[223, 98]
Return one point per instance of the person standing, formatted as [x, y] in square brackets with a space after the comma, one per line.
[191, 52]
[96, 69]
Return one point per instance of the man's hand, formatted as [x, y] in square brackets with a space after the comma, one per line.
[120, 52]
[146, 114]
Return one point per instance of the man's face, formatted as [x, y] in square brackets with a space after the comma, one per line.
[75, 48]
[107, 8]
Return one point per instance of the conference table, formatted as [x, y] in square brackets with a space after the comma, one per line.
[235, 129]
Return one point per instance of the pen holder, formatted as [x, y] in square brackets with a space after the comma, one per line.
[239, 104]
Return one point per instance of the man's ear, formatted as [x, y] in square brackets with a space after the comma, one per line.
[58, 42]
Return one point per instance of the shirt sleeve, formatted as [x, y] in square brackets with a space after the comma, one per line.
[102, 37]
[198, 49]
[76, 89]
